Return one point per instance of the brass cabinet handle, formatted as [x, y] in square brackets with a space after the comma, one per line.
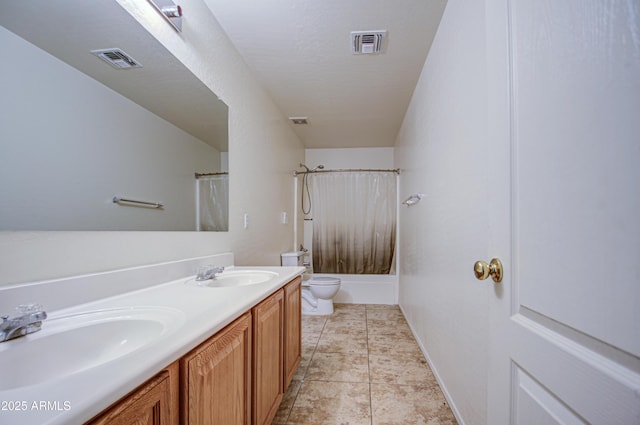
[483, 270]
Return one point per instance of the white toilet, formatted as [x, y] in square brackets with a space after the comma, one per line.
[317, 292]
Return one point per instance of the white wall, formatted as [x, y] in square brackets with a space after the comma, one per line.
[441, 150]
[350, 158]
[71, 144]
[263, 151]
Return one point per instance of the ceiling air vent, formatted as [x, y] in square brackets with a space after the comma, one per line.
[299, 120]
[117, 58]
[367, 42]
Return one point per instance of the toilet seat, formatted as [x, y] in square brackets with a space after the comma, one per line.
[323, 281]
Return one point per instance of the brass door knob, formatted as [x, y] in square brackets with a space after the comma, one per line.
[483, 270]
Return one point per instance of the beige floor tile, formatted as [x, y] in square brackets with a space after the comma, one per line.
[385, 314]
[381, 327]
[409, 404]
[313, 324]
[343, 343]
[338, 367]
[310, 340]
[331, 403]
[392, 344]
[352, 307]
[301, 372]
[305, 361]
[351, 311]
[371, 347]
[287, 403]
[370, 307]
[400, 369]
[345, 326]
[308, 349]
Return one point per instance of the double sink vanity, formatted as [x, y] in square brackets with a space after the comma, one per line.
[155, 344]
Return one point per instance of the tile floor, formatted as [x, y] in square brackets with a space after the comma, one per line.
[362, 366]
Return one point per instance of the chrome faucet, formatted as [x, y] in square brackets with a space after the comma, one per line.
[28, 320]
[208, 272]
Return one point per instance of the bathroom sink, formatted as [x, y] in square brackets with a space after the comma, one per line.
[230, 278]
[81, 341]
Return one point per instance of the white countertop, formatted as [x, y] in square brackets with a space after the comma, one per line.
[200, 312]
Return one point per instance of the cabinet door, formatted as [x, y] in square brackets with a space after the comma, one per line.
[153, 403]
[292, 329]
[268, 319]
[216, 378]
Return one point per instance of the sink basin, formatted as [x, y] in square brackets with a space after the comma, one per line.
[230, 278]
[77, 342]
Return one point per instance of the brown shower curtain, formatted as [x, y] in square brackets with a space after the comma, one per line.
[354, 221]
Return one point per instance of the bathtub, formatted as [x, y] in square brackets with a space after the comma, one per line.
[366, 288]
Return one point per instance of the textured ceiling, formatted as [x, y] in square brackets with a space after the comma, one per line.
[300, 51]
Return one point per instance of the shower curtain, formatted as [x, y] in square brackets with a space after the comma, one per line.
[354, 222]
[213, 203]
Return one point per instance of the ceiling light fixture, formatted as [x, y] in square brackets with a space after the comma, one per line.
[171, 12]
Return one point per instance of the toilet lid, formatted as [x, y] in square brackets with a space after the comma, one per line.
[324, 281]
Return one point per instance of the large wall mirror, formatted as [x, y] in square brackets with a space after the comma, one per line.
[77, 132]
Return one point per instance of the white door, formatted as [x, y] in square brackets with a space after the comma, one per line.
[564, 193]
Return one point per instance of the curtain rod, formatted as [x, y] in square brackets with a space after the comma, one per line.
[198, 175]
[347, 170]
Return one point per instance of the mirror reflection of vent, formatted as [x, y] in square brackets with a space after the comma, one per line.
[117, 58]
[367, 42]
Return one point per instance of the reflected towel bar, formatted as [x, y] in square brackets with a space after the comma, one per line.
[223, 173]
[135, 203]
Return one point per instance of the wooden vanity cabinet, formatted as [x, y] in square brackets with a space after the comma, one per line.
[292, 329]
[268, 318]
[277, 349]
[156, 402]
[215, 378]
[236, 377]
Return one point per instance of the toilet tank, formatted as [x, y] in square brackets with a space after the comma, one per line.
[292, 258]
